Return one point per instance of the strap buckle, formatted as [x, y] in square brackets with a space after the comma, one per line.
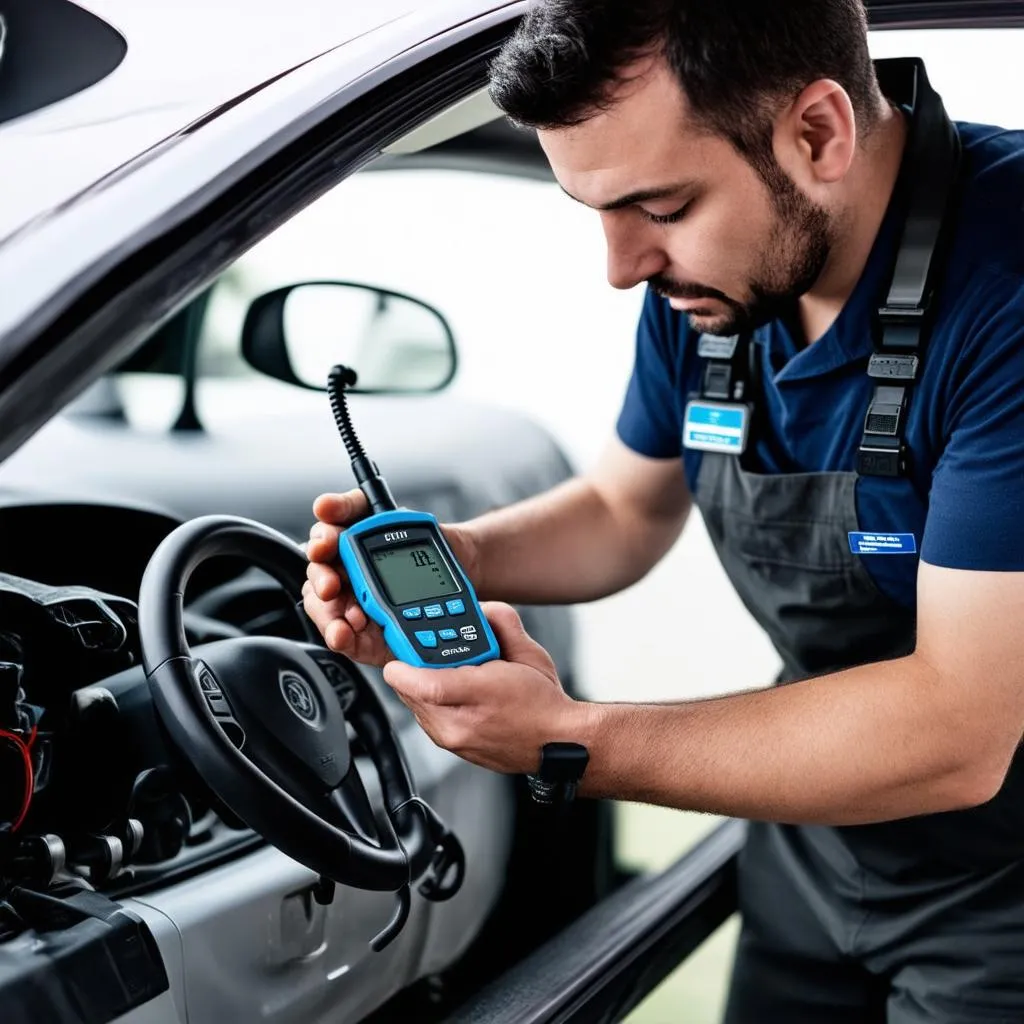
[882, 450]
[894, 366]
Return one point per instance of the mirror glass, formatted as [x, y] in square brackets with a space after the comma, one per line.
[394, 343]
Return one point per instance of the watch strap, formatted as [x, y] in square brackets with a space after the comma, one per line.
[561, 768]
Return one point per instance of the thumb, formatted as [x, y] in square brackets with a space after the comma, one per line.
[516, 644]
[341, 509]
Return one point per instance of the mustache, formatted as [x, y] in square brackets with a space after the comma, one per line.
[669, 289]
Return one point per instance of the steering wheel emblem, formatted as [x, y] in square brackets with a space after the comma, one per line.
[299, 695]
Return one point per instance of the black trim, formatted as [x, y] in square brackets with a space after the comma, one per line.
[153, 277]
[84, 960]
[607, 961]
[945, 13]
[53, 49]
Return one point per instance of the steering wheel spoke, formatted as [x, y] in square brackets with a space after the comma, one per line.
[352, 801]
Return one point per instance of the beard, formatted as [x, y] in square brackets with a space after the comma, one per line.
[787, 268]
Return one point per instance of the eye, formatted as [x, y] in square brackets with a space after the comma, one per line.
[666, 218]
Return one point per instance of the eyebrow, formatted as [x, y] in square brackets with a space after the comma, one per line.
[644, 195]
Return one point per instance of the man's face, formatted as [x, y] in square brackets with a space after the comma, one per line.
[683, 211]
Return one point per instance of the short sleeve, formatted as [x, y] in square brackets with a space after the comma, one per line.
[976, 509]
[649, 422]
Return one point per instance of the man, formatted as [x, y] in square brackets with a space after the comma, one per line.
[746, 166]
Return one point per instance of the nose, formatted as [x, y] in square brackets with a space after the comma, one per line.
[634, 255]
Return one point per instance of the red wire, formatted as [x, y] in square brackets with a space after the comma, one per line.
[26, 757]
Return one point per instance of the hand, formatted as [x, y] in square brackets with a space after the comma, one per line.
[327, 595]
[498, 714]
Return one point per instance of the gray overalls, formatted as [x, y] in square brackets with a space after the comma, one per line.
[906, 921]
[850, 924]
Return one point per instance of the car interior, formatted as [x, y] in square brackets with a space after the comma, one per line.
[115, 798]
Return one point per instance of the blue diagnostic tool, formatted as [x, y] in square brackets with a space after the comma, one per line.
[404, 574]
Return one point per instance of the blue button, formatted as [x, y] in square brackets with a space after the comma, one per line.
[456, 607]
[448, 634]
[412, 613]
[427, 638]
[434, 611]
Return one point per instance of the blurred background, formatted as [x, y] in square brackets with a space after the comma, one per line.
[519, 272]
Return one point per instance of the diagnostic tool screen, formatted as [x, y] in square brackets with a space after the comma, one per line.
[414, 572]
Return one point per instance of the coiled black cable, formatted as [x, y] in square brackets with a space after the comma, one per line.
[366, 473]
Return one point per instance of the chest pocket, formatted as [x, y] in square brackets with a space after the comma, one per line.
[783, 540]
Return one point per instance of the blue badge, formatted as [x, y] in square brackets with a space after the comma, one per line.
[716, 427]
[883, 544]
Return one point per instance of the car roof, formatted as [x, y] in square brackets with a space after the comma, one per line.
[182, 64]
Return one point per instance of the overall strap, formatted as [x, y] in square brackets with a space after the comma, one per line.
[932, 165]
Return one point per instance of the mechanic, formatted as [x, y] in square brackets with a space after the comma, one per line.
[749, 167]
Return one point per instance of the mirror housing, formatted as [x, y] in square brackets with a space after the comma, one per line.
[395, 343]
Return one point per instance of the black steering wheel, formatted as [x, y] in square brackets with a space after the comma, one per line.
[260, 721]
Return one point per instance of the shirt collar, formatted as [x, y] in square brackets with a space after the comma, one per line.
[849, 339]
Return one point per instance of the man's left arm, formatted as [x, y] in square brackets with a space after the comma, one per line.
[934, 731]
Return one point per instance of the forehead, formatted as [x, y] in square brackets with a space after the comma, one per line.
[644, 139]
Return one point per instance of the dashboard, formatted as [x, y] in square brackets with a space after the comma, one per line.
[119, 828]
[119, 807]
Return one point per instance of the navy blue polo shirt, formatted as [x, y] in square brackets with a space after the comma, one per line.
[964, 499]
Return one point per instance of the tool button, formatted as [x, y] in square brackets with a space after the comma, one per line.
[412, 613]
[468, 632]
[427, 638]
[448, 634]
[456, 607]
[433, 611]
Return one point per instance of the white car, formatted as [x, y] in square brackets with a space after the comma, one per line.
[170, 857]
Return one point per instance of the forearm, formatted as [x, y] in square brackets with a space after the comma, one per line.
[875, 743]
[565, 546]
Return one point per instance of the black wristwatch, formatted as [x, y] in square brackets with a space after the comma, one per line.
[561, 767]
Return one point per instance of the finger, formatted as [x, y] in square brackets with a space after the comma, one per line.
[328, 617]
[339, 637]
[323, 543]
[355, 616]
[341, 509]
[327, 581]
[516, 644]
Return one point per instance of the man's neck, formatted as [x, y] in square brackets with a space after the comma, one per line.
[872, 188]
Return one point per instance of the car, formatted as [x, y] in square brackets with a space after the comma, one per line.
[120, 815]
[138, 409]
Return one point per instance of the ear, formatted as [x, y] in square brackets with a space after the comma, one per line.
[816, 137]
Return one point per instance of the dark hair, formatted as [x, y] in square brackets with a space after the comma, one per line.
[735, 60]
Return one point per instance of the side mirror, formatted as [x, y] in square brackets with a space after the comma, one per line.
[394, 343]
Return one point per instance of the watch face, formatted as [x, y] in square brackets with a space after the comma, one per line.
[563, 762]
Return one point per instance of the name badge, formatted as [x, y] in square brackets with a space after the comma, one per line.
[716, 427]
[883, 544]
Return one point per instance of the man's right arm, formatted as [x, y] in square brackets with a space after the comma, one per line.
[585, 539]
[590, 537]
